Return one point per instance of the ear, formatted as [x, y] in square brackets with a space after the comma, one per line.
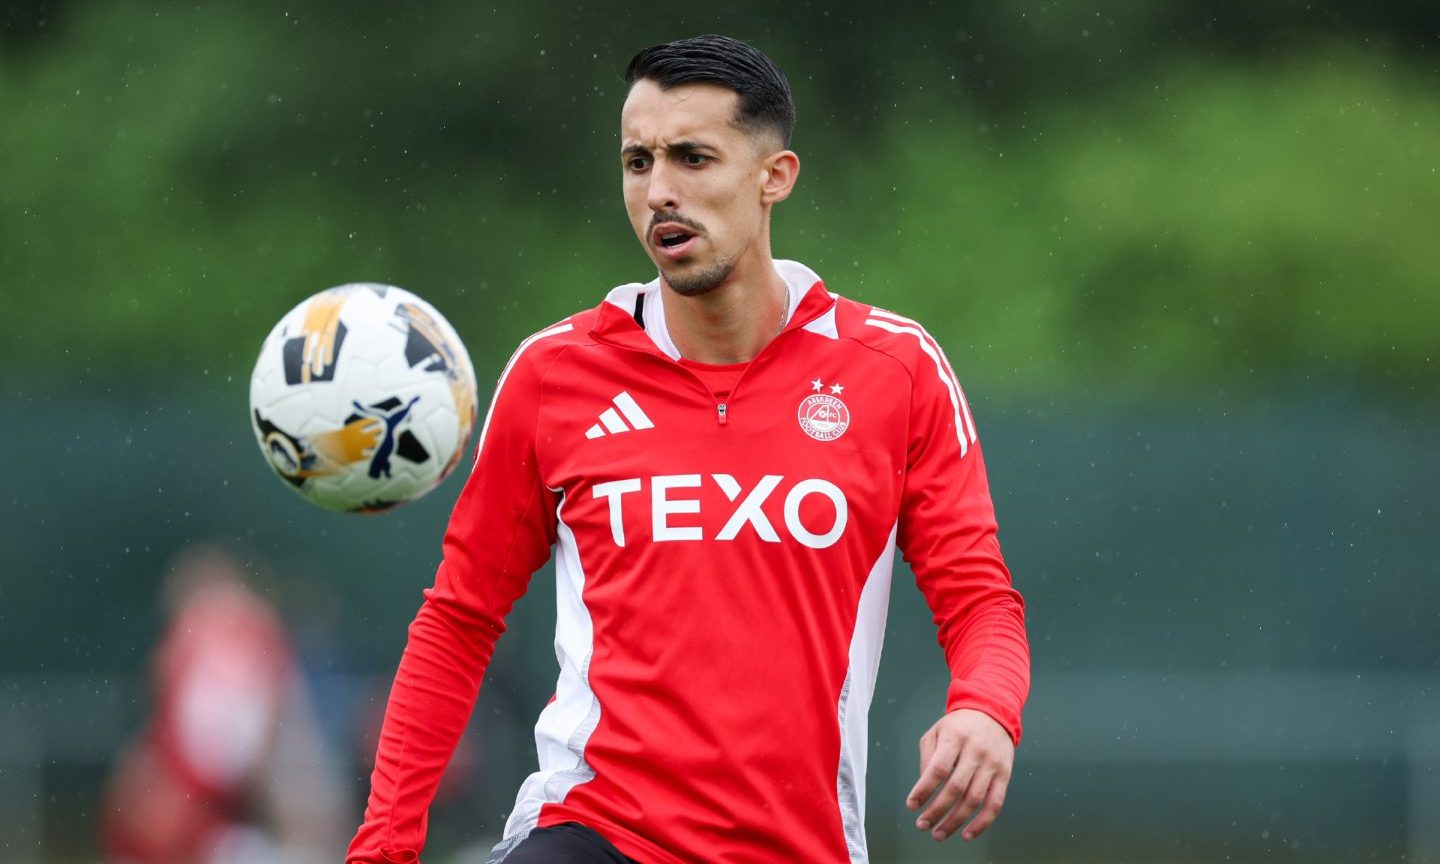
[779, 170]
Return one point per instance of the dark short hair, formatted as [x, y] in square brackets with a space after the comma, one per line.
[765, 101]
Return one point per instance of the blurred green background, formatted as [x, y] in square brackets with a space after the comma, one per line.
[1184, 256]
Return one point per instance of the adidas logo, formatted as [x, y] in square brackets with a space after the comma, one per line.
[613, 424]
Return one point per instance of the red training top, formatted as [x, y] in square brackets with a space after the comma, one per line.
[723, 573]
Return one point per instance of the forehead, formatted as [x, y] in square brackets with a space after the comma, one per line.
[689, 112]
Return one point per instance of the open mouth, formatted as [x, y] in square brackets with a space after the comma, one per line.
[673, 240]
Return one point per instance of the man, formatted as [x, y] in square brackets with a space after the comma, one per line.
[725, 460]
[230, 767]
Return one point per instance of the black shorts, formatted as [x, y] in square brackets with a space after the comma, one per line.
[566, 843]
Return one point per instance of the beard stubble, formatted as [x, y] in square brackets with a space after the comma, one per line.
[701, 281]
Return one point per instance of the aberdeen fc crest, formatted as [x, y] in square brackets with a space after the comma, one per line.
[822, 415]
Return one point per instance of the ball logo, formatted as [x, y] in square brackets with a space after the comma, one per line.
[823, 417]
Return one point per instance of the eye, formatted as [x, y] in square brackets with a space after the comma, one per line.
[637, 163]
[693, 159]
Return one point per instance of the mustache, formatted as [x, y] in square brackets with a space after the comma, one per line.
[662, 216]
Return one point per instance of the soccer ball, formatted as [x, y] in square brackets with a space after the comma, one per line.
[363, 398]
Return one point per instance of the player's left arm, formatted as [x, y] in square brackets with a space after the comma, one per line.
[948, 535]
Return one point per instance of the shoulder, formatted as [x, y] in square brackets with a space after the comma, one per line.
[615, 318]
[536, 354]
[932, 377]
[903, 339]
[549, 342]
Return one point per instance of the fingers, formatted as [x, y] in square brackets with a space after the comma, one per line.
[938, 814]
[982, 798]
[993, 802]
[970, 799]
[936, 760]
[918, 793]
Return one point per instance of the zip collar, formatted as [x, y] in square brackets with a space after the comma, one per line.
[619, 324]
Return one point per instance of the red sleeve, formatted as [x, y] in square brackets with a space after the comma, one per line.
[500, 532]
[948, 536]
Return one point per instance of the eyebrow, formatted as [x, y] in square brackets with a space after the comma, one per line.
[680, 147]
[689, 146]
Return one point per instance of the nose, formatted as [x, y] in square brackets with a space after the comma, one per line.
[662, 193]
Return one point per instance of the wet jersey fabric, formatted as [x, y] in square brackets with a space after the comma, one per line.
[723, 574]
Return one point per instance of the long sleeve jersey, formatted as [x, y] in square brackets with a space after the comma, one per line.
[723, 565]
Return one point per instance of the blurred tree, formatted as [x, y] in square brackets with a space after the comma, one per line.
[1142, 193]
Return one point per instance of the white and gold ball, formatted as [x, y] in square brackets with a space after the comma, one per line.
[363, 398]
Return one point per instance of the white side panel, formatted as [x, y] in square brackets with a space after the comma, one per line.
[854, 705]
[566, 724]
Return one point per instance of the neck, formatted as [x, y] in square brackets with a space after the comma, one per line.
[731, 323]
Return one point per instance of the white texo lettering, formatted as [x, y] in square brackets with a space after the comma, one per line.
[613, 490]
[749, 509]
[661, 507]
[792, 513]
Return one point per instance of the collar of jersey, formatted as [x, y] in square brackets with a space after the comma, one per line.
[616, 322]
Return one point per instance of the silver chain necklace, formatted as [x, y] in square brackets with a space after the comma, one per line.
[784, 313]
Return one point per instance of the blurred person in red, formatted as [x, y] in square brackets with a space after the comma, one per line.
[231, 766]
